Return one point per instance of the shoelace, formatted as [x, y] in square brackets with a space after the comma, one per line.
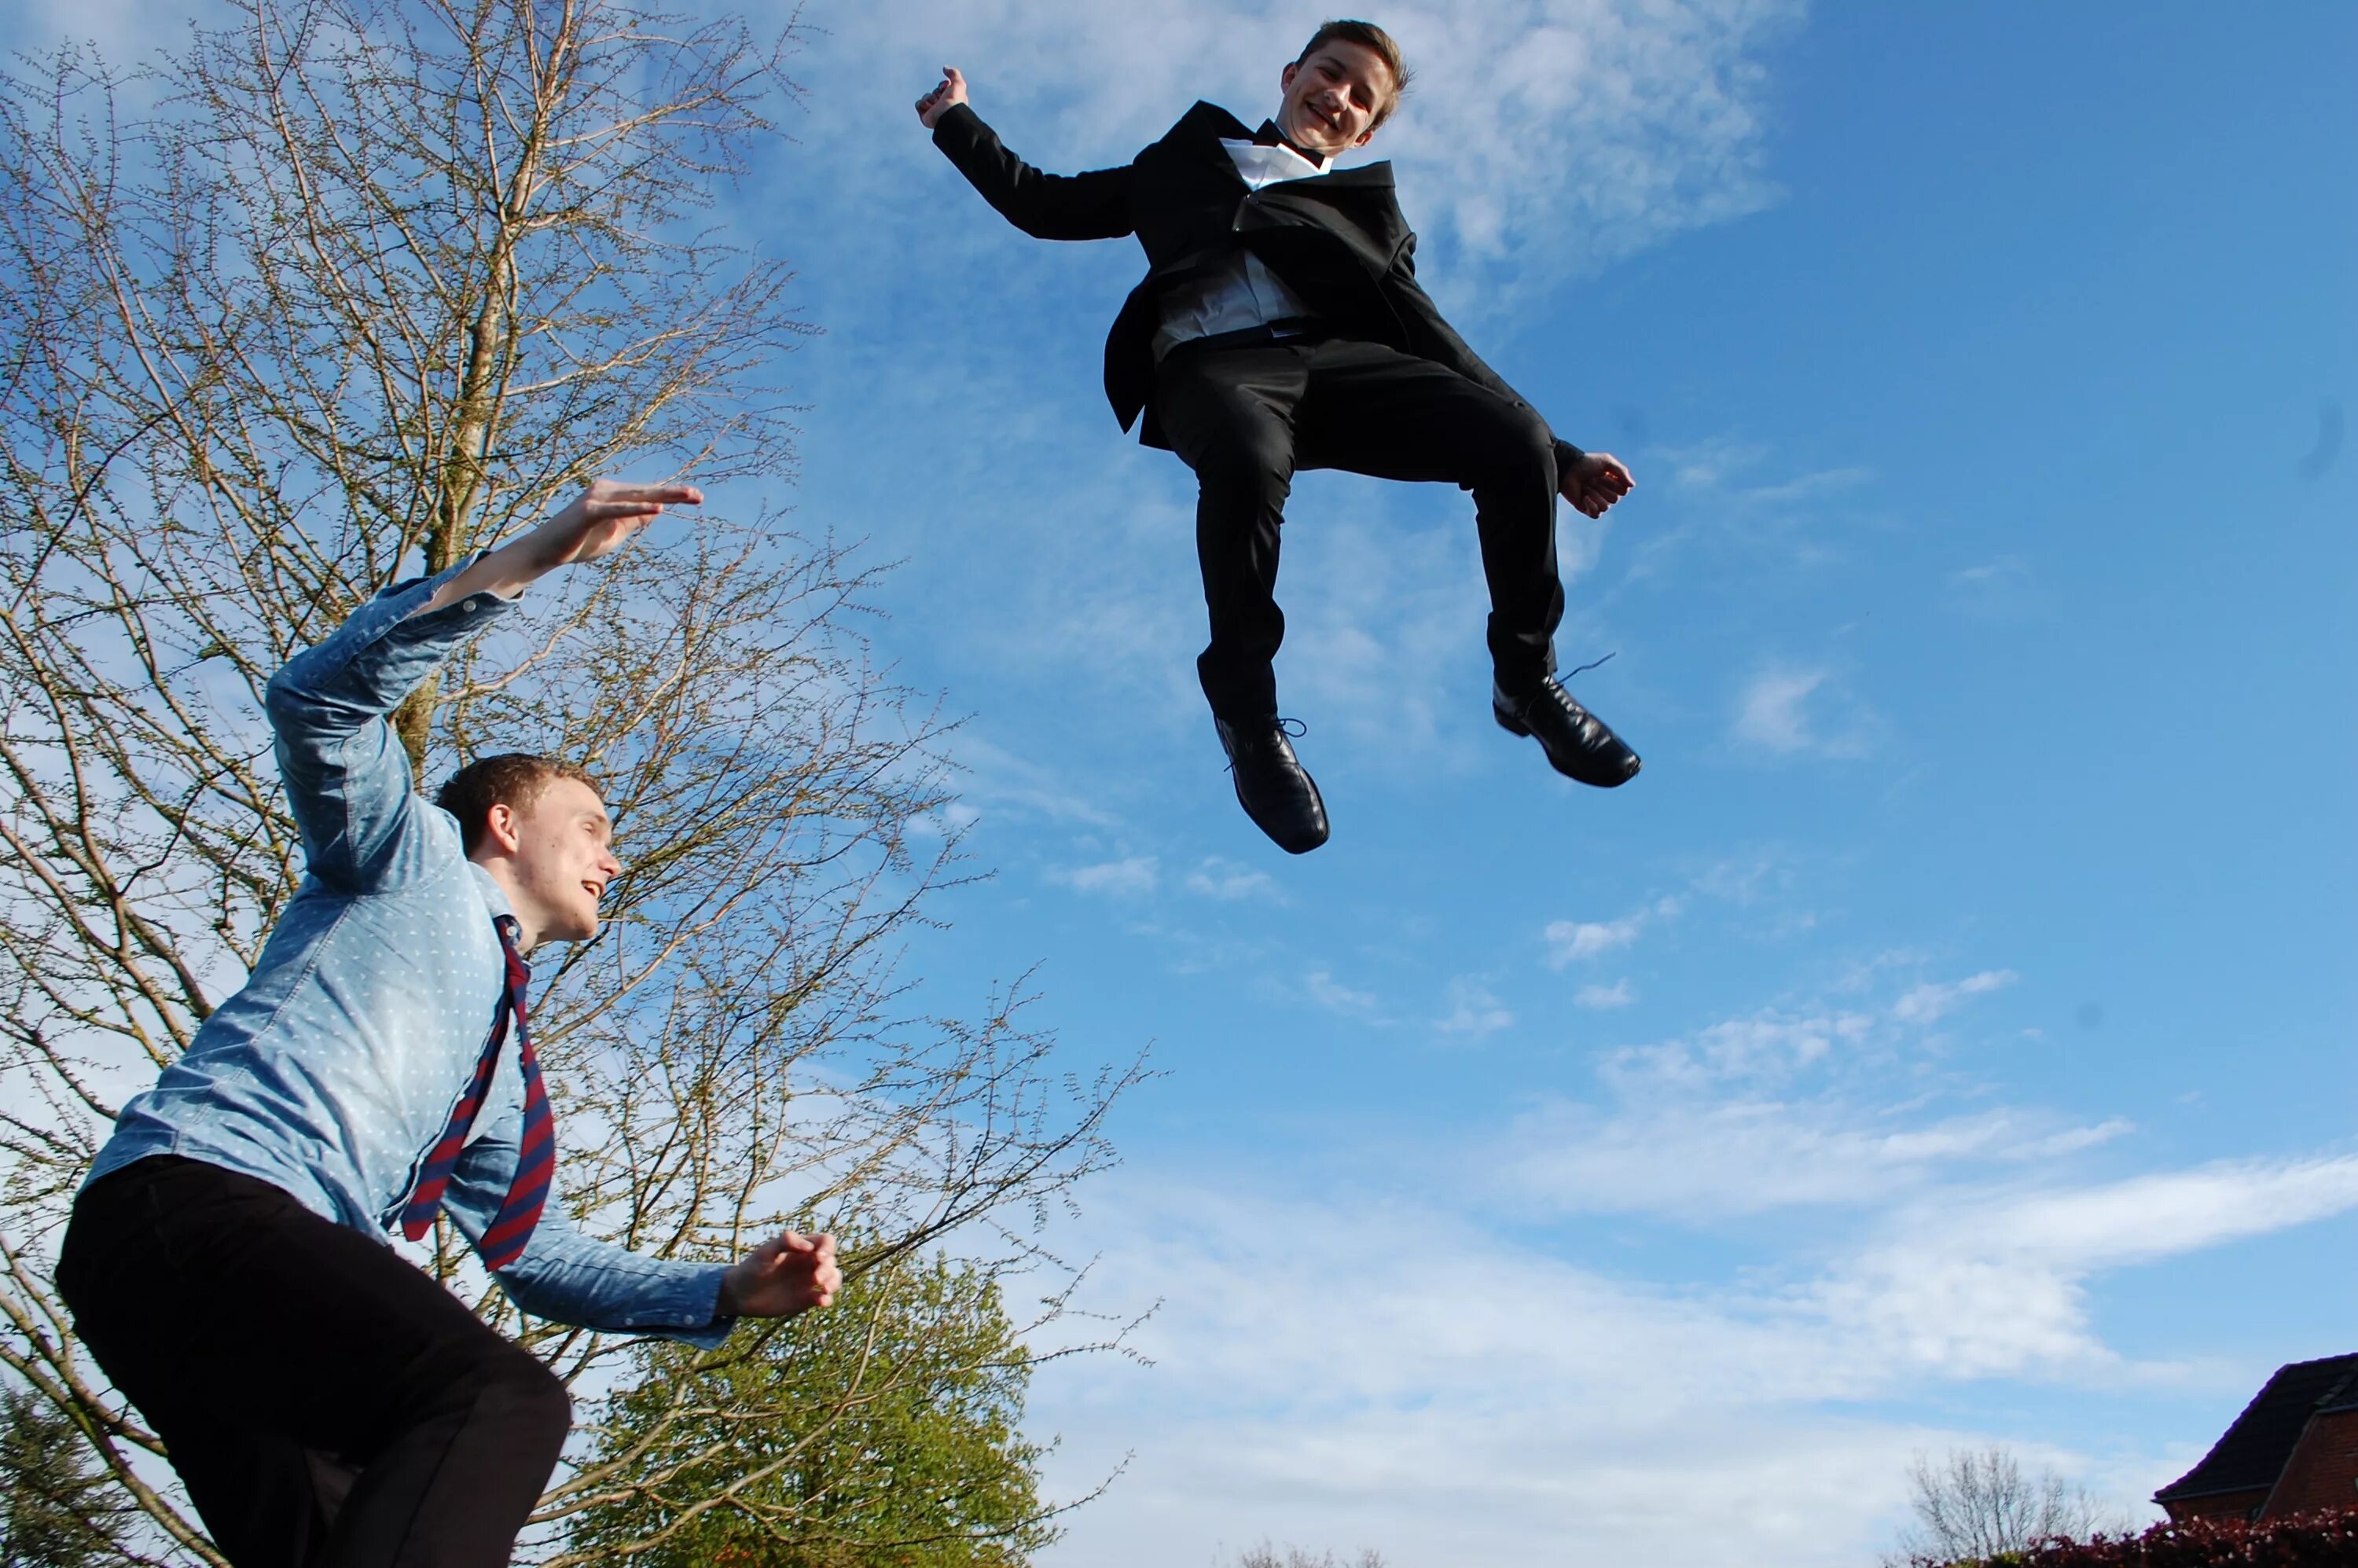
[1292, 728]
[1584, 668]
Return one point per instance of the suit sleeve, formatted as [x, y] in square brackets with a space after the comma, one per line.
[1431, 338]
[1093, 206]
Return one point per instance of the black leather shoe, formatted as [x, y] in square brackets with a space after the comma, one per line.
[1272, 786]
[1575, 741]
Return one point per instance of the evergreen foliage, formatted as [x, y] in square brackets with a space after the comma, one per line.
[55, 1508]
[886, 1434]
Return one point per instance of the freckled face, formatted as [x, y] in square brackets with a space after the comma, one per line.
[1332, 97]
[565, 860]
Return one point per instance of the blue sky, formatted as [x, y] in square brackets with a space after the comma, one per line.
[1944, 1041]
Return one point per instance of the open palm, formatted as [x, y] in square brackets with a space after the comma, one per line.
[602, 518]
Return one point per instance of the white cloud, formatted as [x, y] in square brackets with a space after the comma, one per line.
[2003, 589]
[1574, 941]
[1216, 878]
[1543, 138]
[1473, 1012]
[1930, 1003]
[1978, 1285]
[1345, 1374]
[1708, 1160]
[1767, 1045]
[1342, 1378]
[1620, 993]
[1770, 713]
[1330, 993]
[1775, 714]
[1130, 878]
[997, 776]
[1727, 472]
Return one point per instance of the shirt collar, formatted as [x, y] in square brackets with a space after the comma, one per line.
[494, 899]
[1268, 135]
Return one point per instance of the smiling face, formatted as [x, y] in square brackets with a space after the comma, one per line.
[561, 858]
[1334, 96]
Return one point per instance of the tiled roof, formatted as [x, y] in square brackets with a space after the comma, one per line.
[2251, 1454]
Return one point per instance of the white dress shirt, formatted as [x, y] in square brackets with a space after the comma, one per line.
[1244, 293]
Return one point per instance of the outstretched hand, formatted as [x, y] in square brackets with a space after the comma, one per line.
[599, 521]
[1596, 482]
[937, 103]
[790, 1274]
[602, 518]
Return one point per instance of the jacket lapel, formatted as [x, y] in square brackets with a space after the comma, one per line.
[1201, 130]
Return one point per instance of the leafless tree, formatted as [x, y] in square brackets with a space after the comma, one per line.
[361, 287]
[1268, 1556]
[1977, 1503]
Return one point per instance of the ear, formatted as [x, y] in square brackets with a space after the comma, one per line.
[1285, 78]
[503, 829]
[1366, 136]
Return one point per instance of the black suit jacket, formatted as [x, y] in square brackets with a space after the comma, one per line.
[1337, 240]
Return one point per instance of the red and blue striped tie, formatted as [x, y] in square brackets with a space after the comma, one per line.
[502, 1244]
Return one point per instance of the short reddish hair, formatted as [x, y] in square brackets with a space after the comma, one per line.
[1368, 36]
[512, 778]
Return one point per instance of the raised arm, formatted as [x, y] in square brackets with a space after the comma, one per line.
[348, 780]
[1590, 480]
[1093, 206]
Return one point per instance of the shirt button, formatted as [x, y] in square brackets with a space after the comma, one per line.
[474, 602]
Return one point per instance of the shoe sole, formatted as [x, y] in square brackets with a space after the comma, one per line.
[1514, 726]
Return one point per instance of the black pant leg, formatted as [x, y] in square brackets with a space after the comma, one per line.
[1372, 410]
[1229, 413]
[282, 1356]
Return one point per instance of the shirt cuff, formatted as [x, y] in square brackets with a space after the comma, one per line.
[417, 592]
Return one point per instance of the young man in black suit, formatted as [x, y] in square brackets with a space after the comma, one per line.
[1280, 327]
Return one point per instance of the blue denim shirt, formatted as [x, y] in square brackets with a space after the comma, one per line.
[335, 1067]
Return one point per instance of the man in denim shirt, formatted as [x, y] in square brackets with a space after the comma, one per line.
[227, 1263]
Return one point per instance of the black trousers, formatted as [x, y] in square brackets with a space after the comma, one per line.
[328, 1404]
[1246, 418]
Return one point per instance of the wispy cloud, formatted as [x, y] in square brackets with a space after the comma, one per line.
[2006, 589]
[1533, 1396]
[1775, 714]
[1981, 1285]
[1321, 987]
[1474, 1011]
[1770, 714]
[1931, 1002]
[1543, 140]
[1944, 1244]
[1216, 878]
[1132, 878]
[1775, 1043]
[998, 778]
[1574, 941]
[1713, 1160]
[1620, 993]
[1569, 941]
[1738, 474]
